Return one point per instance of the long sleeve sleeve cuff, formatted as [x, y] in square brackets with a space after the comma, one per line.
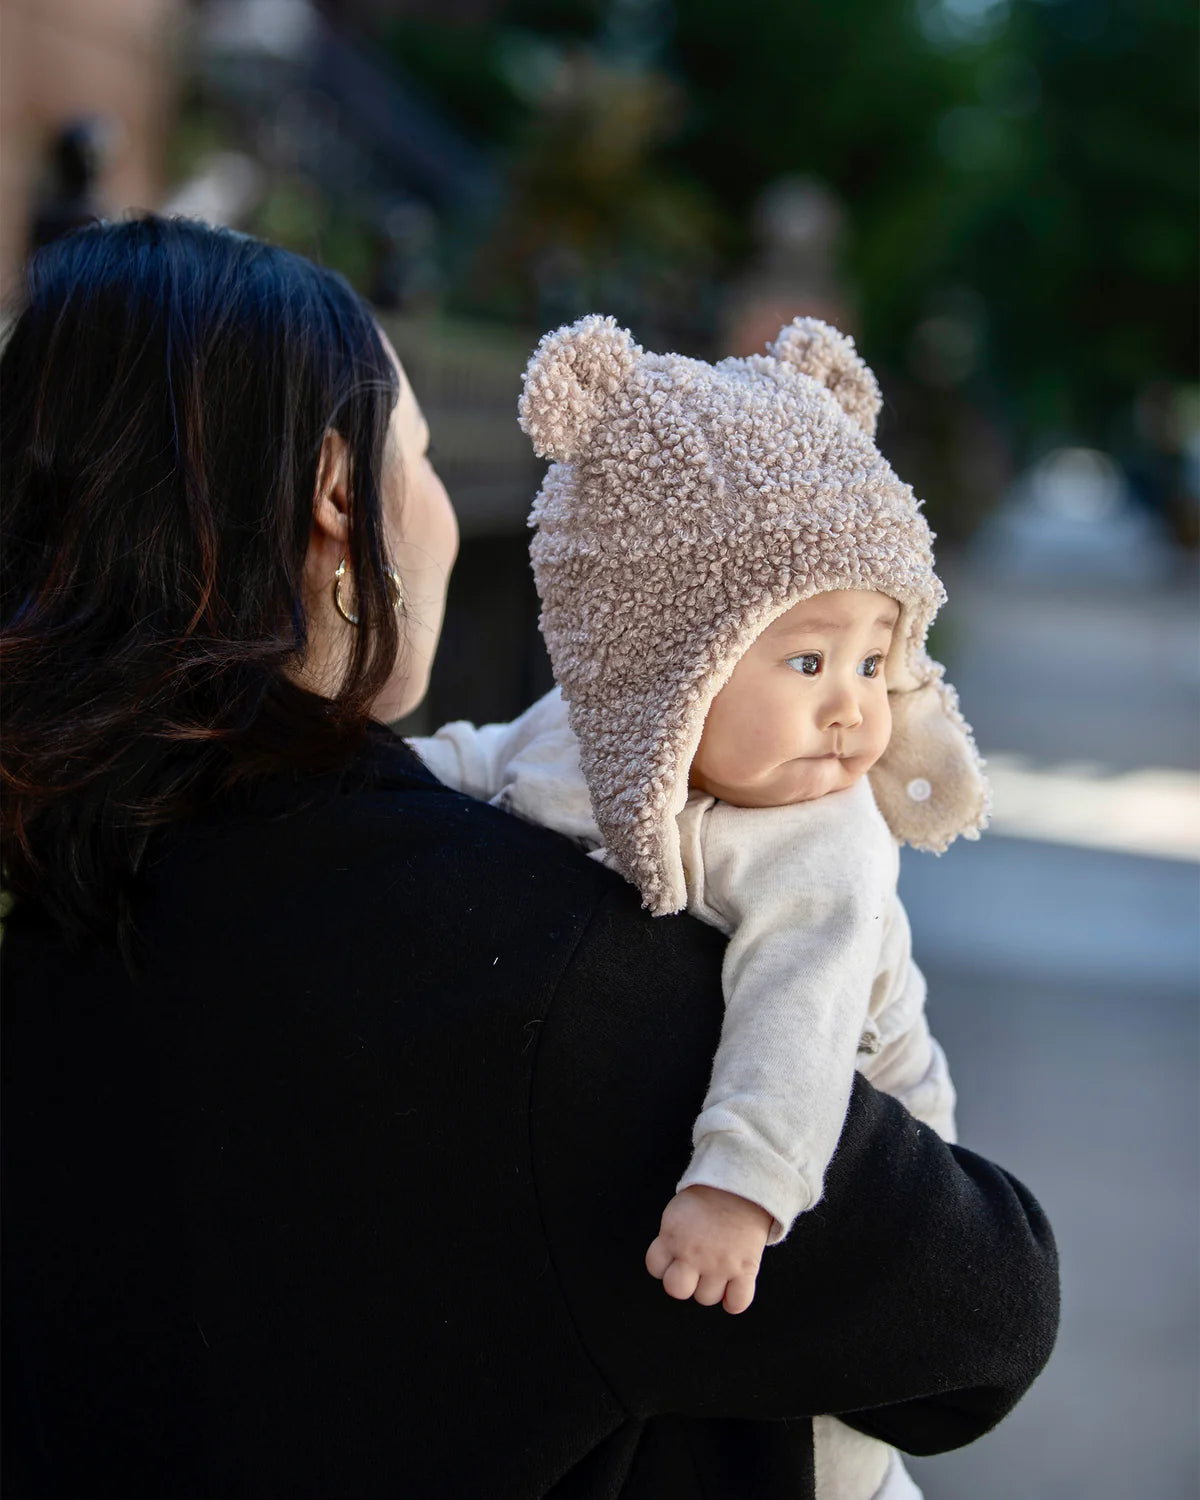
[737, 1164]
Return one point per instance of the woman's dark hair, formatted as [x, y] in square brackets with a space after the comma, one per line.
[164, 393]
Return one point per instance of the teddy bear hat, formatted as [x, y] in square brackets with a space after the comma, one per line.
[687, 506]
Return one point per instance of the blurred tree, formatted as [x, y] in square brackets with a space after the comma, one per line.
[575, 100]
[1040, 152]
[1019, 177]
[1090, 252]
[593, 220]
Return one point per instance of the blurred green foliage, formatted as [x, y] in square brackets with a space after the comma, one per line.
[1039, 154]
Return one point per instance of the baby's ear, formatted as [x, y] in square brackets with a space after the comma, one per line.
[829, 357]
[573, 373]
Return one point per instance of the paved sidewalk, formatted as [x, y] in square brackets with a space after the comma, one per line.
[1063, 984]
[1085, 1087]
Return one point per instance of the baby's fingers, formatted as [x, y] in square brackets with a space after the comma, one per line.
[680, 1280]
[739, 1294]
[710, 1290]
[658, 1258]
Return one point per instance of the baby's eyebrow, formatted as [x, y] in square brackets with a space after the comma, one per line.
[884, 622]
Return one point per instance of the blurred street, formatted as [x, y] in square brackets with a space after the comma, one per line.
[1063, 985]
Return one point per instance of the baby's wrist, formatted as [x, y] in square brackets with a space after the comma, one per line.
[727, 1201]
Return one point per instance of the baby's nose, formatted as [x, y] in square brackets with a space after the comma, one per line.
[841, 710]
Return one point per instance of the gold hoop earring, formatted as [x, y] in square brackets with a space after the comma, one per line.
[337, 595]
[394, 585]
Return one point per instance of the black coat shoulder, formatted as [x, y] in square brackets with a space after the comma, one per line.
[347, 1194]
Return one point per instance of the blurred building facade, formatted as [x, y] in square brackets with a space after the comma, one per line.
[65, 61]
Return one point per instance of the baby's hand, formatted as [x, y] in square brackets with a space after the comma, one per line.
[709, 1246]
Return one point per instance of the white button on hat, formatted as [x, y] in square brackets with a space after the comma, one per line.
[919, 789]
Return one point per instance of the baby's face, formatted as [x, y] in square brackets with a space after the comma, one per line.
[806, 710]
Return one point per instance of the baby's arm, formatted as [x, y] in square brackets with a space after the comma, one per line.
[913, 1069]
[804, 890]
[475, 759]
[905, 1060]
[467, 757]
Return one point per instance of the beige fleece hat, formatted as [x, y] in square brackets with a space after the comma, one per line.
[687, 507]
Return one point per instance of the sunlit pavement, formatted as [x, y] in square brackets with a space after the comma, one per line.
[1063, 984]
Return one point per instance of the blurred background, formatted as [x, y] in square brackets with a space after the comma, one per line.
[998, 198]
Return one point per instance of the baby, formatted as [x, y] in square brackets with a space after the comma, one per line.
[736, 593]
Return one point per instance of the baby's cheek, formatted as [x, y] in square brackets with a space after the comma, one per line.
[885, 726]
[766, 737]
[879, 740]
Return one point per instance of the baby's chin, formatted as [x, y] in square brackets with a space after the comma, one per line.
[802, 780]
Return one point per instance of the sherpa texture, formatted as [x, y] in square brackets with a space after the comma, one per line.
[688, 506]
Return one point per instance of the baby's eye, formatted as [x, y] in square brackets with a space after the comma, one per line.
[870, 667]
[808, 663]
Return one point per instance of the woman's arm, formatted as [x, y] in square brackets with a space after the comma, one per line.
[920, 1295]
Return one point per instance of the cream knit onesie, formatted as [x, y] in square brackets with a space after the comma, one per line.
[818, 980]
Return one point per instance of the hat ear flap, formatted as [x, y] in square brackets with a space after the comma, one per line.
[929, 783]
[568, 382]
[829, 358]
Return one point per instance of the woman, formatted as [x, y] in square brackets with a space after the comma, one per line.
[339, 1107]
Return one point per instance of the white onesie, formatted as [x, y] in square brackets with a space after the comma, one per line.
[818, 980]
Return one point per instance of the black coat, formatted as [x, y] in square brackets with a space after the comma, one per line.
[349, 1195]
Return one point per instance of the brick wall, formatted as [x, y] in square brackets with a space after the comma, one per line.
[60, 59]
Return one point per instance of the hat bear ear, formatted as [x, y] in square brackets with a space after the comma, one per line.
[568, 382]
[829, 357]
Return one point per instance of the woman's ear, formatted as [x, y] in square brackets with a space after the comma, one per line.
[331, 504]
